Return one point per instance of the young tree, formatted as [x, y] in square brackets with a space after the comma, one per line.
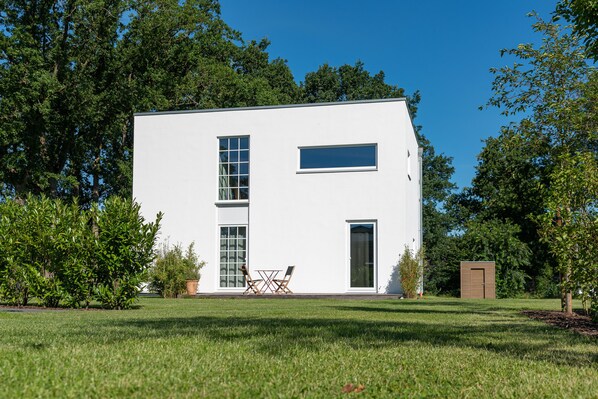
[570, 225]
[554, 89]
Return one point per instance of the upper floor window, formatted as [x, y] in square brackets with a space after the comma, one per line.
[233, 168]
[362, 156]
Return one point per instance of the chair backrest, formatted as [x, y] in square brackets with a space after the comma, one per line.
[245, 272]
[289, 271]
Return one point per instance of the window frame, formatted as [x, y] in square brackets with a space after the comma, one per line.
[238, 187]
[220, 252]
[338, 168]
[348, 224]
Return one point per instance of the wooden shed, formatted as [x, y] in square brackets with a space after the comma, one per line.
[478, 280]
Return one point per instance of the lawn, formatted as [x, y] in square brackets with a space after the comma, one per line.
[269, 348]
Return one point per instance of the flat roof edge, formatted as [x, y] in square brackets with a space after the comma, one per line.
[264, 107]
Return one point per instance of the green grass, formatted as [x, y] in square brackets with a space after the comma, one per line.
[271, 348]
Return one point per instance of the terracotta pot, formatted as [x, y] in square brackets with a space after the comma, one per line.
[192, 287]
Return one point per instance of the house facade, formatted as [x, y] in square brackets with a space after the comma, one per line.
[332, 188]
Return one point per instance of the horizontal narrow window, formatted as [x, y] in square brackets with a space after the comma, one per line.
[345, 156]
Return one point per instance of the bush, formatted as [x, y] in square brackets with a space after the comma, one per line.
[56, 252]
[124, 248]
[411, 269]
[15, 274]
[172, 269]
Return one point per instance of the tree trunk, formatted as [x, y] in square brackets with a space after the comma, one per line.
[566, 297]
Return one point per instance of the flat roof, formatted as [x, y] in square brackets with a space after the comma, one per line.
[193, 111]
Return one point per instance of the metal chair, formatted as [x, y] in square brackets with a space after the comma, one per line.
[283, 283]
[252, 285]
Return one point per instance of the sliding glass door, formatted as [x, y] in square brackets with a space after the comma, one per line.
[362, 252]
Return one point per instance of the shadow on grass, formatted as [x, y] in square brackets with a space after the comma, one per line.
[293, 336]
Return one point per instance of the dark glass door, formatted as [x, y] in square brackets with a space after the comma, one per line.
[363, 257]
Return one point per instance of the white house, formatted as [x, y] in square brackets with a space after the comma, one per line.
[333, 188]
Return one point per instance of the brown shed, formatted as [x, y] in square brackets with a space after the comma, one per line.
[478, 280]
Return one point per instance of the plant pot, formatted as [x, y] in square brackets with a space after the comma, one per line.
[192, 287]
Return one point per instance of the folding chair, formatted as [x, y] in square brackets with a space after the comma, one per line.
[283, 283]
[252, 285]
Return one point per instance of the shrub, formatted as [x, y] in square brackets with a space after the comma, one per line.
[56, 252]
[15, 274]
[411, 269]
[124, 248]
[172, 269]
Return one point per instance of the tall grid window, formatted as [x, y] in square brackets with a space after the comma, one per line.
[233, 253]
[233, 170]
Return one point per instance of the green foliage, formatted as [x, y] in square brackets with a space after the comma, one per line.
[547, 284]
[49, 251]
[584, 15]
[124, 249]
[172, 269]
[570, 225]
[411, 269]
[73, 73]
[442, 274]
[497, 241]
[347, 83]
[438, 222]
[555, 91]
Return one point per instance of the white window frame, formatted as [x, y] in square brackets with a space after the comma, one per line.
[218, 252]
[236, 200]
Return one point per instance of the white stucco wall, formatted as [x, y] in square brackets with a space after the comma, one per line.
[294, 218]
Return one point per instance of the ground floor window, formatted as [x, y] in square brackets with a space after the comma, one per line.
[233, 254]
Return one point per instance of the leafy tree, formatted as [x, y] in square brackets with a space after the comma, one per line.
[351, 83]
[570, 225]
[554, 89]
[438, 223]
[584, 15]
[495, 240]
[72, 73]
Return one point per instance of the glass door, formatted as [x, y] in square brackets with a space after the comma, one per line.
[362, 253]
[233, 253]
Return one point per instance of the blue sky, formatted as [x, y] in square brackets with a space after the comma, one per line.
[444, 49]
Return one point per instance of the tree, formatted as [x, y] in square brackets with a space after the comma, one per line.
[554, 89]
[570, 224]
[507, 189]
[351, 83]
[438, 223]
[584, 15]
[498, 241]
[72, 73]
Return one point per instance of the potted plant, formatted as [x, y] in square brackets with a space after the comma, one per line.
[175, 272]
[192, 270]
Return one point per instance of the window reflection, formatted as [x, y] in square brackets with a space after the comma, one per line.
[349, 156]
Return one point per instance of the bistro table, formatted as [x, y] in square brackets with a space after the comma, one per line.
[268, 275]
